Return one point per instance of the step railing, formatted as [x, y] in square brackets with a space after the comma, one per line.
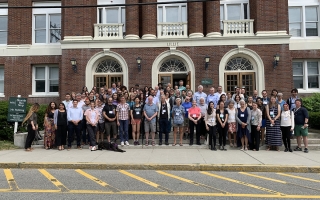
[172, 30]
[108, 31]
[238, 27]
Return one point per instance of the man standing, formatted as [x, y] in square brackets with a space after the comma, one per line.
[164, 116]
[265, 98]
[212, 97]
[74, 116]
[109, 114]
[123, 110]
[200, 94]
[301, 118]
[114, 88]
[219, 92]
[150, 111]
[181, 87]
[85, 107]
[67, 103]
[292, 100]
[255, 95]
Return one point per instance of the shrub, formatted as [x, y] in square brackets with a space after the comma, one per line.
[312, 103]
[314, 119]
[7, 128]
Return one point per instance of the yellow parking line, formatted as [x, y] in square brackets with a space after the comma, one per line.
[190, 181]
[145, 181]
[53, 180]
[299, 177]
[244, 183]
[96, 180]
[263, 177]
[12, 183]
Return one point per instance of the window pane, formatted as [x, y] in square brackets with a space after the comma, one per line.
[100, 16]
[1, 86]
[297, 68]
[311, 29]
[311, 14]
[55, 35]
[54, 73]
[123, 15]
[55, 21]
[41, 86]
[295, 29]
[40, 36]
[172, 14]
[298, 81]
[3, 37]
[313, 68]
[112, 15]
[40, 21]
[3, 23]
[245, 11]
[221, 17]
[1, 73]
[184, 14]
[234, 12]
[1, 80]
[40, 73]
[160, 14]
[54, 86]
[313, 81]
[294, 14]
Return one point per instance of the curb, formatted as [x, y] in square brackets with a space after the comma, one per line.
[171, 167]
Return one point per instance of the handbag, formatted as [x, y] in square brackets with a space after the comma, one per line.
[38, 135]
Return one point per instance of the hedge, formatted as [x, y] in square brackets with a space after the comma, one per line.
[7, 128]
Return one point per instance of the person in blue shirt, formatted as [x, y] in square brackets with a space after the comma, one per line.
[200, 94]
[187, 104]
[74, 116]
[212, 96]
[181, 87]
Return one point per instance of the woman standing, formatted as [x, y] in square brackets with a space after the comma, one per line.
[232, 125]
[256, 120]
[280, 101]
[178, 120]
[286, 126]
[32, 119]
[224, 99]
[250, 102]
[92, 117]
[237, 101]
[49, 135]
[136, 116]
[243, 118]
[210, 119]
[61, 126]
[222, 118]
[115, 99]
[194, 116]
[273, 134]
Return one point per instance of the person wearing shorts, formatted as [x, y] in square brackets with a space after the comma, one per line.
[136, 116]
[150, 112]
[301, 118]
[178, 113]
[109, 113]
[100, 125]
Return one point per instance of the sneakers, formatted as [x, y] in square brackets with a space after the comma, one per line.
[160, 143]
[93, 148]
[138, 143]
[298, 149]
[127, 143]
[290, 150]
[122, 144]
[306, 150]
[167, 143]
[286, 150]
[135, 143]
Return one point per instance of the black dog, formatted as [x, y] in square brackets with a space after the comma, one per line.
[111, 146]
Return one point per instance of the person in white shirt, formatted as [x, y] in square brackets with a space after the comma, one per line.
[232, 124]
[74, 116]
[219, 91]
[68, 102]
[287, 126]
[92, 117]
[210, 121]
[80, 103]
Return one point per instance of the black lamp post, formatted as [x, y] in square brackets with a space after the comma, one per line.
[74, 64]
[139, 63]
[276, 59]
[207, 59]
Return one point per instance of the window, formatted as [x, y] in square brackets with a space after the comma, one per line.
[46, 24]
[46, 79]
[306, 74]
[233, 10]
[304, 21]
[173, 13]
[1, 79]
[3, 24]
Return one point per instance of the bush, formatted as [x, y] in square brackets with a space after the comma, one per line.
[7, 128]
[312, 103]
[314, 119]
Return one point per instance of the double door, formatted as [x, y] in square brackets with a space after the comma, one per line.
[169, 78]
[243, 80]
[106, 80]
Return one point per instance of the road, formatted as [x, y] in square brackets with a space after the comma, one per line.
[127, 184]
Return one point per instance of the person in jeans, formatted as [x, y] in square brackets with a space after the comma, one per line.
[150, 111]
[164, 116]
[61, 125]
[178, 119]
[256, 120]
[210, 120]
[301, 118]
[92, 117]
[123, 110]
[287, 126]
[110, 118]
[194, 116]
[75, 116]
[32, 119]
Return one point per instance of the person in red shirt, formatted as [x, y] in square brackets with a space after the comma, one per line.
[194, 116]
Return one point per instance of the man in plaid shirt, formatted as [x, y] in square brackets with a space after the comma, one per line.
[123, 110]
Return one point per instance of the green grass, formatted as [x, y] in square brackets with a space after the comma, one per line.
[6, 145]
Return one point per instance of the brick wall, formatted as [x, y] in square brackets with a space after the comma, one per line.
[149, 18]
[305, 54]
[212, 17]
[195, 17]
[132, 18]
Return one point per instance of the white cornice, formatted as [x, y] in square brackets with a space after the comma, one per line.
[31, 50]
[304, 43]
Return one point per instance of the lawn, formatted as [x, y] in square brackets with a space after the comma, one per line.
[6, 145]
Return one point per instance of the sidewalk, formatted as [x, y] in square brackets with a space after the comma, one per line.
[164, 159]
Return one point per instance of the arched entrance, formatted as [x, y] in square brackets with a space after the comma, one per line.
[104, 68]
[242, 68]
[172, 66]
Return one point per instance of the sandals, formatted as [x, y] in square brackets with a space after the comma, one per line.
[28, 149]
[181, 144]
[231, 145]
[153, 143]
[173, 144]
[241, 149]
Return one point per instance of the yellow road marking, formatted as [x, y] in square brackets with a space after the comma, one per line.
[263, 177]
[299, 177]
[243, 183]
[9, 176]
[190, 181]
[53, 180]
[145, 181]
[96, 180]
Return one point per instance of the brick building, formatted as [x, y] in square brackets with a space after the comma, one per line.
[241, 37]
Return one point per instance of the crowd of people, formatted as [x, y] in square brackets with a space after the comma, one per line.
[248, 121]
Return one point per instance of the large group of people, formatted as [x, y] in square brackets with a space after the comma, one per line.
[246, 121]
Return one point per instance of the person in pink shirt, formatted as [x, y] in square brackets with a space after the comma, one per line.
[194, 115]
[92, 116]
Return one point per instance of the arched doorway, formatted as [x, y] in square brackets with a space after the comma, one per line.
[172, 66]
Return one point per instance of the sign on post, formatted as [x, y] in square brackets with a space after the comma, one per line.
[17, 109]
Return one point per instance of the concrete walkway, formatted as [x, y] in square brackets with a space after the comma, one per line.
[184, 159]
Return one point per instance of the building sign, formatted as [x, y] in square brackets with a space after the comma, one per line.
[206, 81]
[17, 109]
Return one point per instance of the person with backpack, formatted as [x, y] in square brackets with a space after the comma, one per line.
[292, 100]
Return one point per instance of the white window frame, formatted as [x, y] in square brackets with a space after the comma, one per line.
[164, 12]
[47, 12]
[225, 3]
[121, 9]
[4, 12]
[305, 88]
[2, 93]
[47, 80]
[303, 4]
